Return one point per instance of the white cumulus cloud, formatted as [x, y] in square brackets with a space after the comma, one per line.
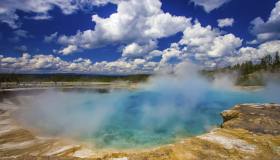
[268, 30]
[135, 22]
[226, 22]
[210, 42]
[49, 63]
[136, 50]
[41, 8]
[68, 50]
[254, 54]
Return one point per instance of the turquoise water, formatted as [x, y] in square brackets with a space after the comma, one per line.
[134, 119]
[131, 126]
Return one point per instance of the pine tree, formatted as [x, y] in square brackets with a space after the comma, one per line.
[263, 63]
[276, 63]
[277, 59]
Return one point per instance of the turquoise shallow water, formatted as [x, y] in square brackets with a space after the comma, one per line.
[131, 126]
[134, 119]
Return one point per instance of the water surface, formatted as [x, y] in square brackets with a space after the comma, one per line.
[133, 119]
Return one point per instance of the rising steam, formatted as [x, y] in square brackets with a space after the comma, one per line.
[168, 106]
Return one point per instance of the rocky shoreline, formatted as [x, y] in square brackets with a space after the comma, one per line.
[249, 131]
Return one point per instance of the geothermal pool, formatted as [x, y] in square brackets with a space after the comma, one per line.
[141, 118]
[160, 111]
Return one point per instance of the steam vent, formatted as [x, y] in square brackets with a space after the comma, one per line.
[248, 131]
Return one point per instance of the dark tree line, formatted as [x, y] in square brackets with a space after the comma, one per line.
[268, 63]
[250, 73]
[70, 78]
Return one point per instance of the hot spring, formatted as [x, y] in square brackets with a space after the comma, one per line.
[160, 112]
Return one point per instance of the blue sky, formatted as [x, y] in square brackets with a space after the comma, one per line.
[131, 36]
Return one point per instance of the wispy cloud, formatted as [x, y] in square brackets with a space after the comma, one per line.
[210, 5]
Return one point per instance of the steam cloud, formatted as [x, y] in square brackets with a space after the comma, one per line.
[166, 107]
